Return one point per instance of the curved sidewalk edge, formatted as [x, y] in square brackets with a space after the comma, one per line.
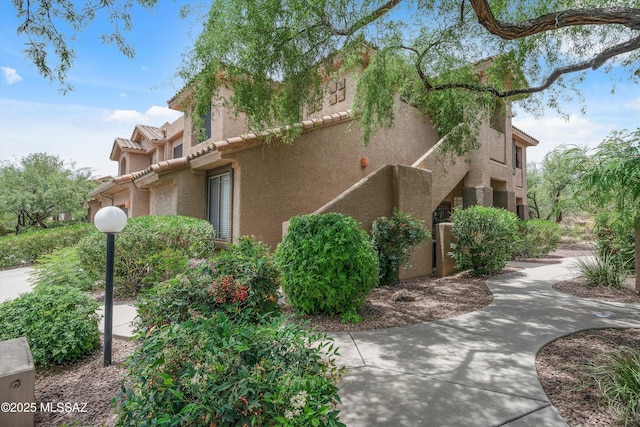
[477, 369]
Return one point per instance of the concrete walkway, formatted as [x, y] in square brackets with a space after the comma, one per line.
[477, 369]
[16, 281]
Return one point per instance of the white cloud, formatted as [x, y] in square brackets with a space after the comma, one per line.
[123, 95]
[555, 131]
[154, 116]
[11, 75]
[634, 104]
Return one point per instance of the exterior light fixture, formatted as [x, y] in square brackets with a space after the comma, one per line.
[109, 220]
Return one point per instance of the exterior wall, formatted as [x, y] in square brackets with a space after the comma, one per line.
[163, 200]
[191, 194]
[393, 186]
[277, 181]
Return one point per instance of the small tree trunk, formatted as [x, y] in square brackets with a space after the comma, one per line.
[637, 255]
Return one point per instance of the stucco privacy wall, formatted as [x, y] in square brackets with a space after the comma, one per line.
[277, 181]
[393, 186]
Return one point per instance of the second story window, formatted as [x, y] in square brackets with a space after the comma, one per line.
[177, 151]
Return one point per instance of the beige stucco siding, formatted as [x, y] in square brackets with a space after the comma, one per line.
[277, 181]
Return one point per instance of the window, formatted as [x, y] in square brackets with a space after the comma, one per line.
[152, 159]
[220, 205]
[177, 151]
[519, 157]
[123, 166]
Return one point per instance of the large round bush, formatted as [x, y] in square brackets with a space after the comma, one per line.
[328, 264]
[60, 323]
[149, 250]
[486, 239]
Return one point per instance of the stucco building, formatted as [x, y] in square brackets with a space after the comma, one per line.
[244, 185]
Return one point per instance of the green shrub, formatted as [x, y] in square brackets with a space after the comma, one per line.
[486, 239]
[393, 240]
[249, 262]
[618, 379]
[26, 248]
[174, 301]
[538, 238]
[242, 278]
[62, 268]
[601, 271]
[59, 322]
[149, 250]
[328, 264]
[228, 371]
[616, 239]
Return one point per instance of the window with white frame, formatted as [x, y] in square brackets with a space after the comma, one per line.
[220, 205]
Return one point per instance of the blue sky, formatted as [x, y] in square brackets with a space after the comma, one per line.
[114, 93]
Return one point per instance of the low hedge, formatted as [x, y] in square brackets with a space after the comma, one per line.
[150, 250]
[25, 248]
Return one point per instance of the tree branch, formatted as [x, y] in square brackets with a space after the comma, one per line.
[594, 63]
[626, 16]
[366, 20]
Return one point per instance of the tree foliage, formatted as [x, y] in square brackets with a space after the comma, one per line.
[612, 180]
[41, 186]
[278, 54]
[552, 190]
[51, 27]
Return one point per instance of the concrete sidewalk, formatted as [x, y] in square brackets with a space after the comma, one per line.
[16, 281]
[477, 369]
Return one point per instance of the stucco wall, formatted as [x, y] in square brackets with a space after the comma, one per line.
[163, 199]
[393, 186]
[277, 181]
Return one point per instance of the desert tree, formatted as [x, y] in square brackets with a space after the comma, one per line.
[277, 54]
[41, 186]
[612, 179]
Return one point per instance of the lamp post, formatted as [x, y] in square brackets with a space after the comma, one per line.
[110, 220]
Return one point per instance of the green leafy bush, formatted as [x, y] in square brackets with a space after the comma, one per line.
[393, 240]
[601, 271]
[149, 250]
[537, 238]
[26, 248]
[618, 379]
[174, 301]
[616, 239]
[230, 370]
[59, 322]
[328, 264]
[241, 278]
[249, 262]
[62, 268]
[486, 239]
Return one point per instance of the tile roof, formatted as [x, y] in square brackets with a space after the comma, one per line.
[127, 143]
[306, 125]
[150, 132]
[163, 166]
[524, 134]
[233, 142]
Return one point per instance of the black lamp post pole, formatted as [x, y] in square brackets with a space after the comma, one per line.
[108, 300]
